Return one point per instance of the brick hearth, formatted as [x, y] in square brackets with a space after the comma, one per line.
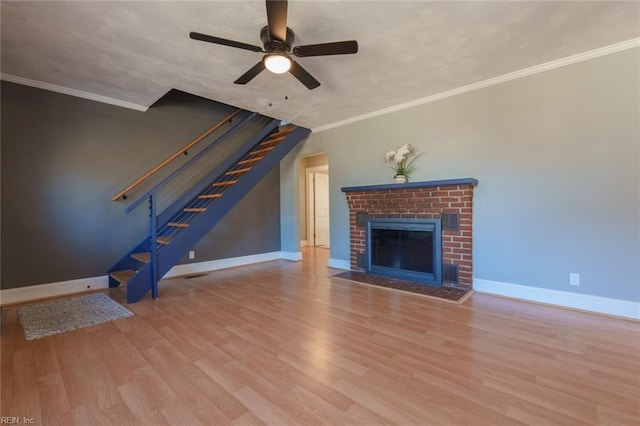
[419, 200]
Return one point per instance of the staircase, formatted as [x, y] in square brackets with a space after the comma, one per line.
[180, 225]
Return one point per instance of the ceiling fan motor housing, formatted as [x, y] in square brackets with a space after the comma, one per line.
[275, 45]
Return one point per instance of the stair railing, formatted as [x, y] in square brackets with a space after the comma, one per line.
[168, 179]
[123, 194]
[152, 196]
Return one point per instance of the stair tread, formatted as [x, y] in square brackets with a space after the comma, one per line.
[163, 240]
[196, 209]
[123, 276]
[239, 171]
[261, 151]
[249, 161]
[278, 135]
[203, 196]
[178, 224]
[225, 183]
[142, 257]
[273, 140]
[284, 130]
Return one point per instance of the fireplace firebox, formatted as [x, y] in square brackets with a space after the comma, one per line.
[408, 249]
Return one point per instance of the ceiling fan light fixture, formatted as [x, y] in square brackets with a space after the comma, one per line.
[277, 63]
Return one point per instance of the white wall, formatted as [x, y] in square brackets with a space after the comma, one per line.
[557, 158]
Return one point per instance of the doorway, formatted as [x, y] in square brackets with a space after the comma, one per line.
[317, 206]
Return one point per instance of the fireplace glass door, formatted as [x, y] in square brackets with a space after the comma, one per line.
[405, 248]
[394, 248]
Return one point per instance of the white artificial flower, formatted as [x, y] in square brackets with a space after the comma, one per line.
[400, 158]
[389, 155]
[404, 150]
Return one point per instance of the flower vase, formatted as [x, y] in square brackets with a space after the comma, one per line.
[400, 179]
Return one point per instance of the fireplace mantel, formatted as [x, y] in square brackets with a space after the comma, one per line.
[424, 184]
[449, 200]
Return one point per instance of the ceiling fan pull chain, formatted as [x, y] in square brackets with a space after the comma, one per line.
[286, 86]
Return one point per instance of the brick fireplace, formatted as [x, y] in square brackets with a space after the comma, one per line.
[449, 201]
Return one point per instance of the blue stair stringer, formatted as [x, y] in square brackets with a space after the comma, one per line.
[180, 226]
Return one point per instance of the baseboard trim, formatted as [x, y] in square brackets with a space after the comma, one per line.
[214, 265]
[304, 243]
[584, 302]
[13, 296]
[339, 264]
[294, 256]
[32, 293]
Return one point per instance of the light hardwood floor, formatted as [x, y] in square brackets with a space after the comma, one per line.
[282, 343]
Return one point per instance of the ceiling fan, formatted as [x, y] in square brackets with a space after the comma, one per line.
[277, 39]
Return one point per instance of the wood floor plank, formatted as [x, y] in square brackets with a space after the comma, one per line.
[248, 419]
[52, 395]
[359, 415]
[23, 397]
[323, 378]
[59, 419]
[262, 408]
[284, 343]
[46, 358]
[609, 416]
[208, 400]
[90, 382]
[179, 413]
[379, 405]
[117, 414]
[570, 405]
[89, 414]
[121, 358]
[531, 414]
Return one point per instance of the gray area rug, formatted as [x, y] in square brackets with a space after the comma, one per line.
[56, 317]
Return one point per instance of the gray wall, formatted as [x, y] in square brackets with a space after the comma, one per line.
[63, 158]
[557, 158]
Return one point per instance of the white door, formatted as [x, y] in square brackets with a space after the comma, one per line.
[321, 211]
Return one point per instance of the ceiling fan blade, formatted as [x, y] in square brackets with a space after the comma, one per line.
[303, 76]
[277, 19]
[224, 42]
[249, 75]
[336, 48]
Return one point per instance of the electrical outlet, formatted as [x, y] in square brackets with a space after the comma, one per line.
[574, 279]
[192, 254]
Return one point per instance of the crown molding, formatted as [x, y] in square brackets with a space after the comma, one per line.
[558, 63]
[71, 92]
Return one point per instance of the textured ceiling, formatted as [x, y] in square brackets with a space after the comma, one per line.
[136, 51]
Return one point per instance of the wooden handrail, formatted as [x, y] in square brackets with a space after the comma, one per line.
[173, 157]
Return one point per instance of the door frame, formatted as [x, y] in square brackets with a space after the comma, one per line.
[311, 225]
